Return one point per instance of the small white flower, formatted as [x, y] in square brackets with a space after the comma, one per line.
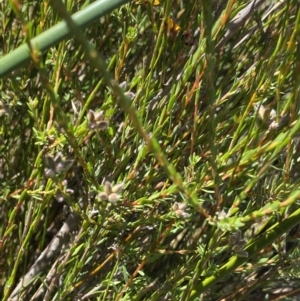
[56, 166]
[108, 188]
[117, 188]
[234, 238]
[96, 120]
[102, 196]
[113, 197]
[111, 193]
[238, 244]
[242, 253]
[179, 210]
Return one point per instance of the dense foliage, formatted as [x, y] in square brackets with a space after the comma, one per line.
[185, 186]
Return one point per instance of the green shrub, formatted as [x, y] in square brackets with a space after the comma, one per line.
[152, 155]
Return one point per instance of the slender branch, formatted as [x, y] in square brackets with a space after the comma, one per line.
[239, 20]
[48, 255]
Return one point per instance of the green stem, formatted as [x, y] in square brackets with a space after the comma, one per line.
[253, 248]
[57, 33]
